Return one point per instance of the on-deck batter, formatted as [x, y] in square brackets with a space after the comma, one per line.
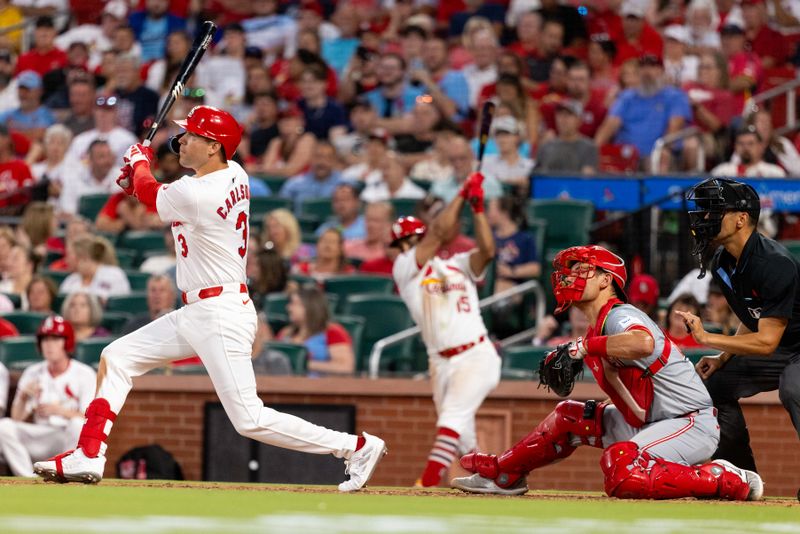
[209, 214]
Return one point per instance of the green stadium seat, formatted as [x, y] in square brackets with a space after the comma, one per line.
[424, 184]
[309, 238]
[302, 279]
[404, 207]
[51, 256]
[114, 321]
[19, 349]
[260, 206]
[522, 361]
[694, 355]
[297, 354]
[134, 303]
[321, 208]
[383, 315]
[90, 205]
[793, 246]
[137, 279]
[15, 299]
[27, 323]
[89, 350]
[355, 327]
[275, 303]
[58, 302]
[128, 259]
[308, 224]
[56, 276]
[275, 183]
[141, 242]
[352, 284]
[277, 321]
[568, 221]
[538, 229]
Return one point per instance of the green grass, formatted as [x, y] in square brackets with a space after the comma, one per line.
[118, 509]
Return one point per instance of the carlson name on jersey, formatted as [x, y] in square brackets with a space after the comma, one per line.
[236, 195]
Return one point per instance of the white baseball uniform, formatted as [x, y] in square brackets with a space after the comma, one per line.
[443, 300]
[210, 223]
[22, 443]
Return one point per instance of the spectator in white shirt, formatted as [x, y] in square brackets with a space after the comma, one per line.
[55, 167]
[702, 21]
[483, 71]
[395, 183]
[375, 151]
[748, 158]
[98, 175]
[508, 166]
[679, 67]
[9, 94]
[93, 262]
[106, 128]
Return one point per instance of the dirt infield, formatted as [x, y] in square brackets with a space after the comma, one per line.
[416, 492]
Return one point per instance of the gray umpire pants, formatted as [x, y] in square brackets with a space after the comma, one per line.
[744, 376]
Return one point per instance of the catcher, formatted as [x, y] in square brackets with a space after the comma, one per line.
[659, 425]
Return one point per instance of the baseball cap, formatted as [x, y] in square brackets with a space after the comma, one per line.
[379, 134]
[633, 8]
[45, 21]
[573, 106]
[677, 32]
[505, 124]
[29, 79]
[731, 29]
[643, 288]
[312, 5]
[650, 59]
[116, 8]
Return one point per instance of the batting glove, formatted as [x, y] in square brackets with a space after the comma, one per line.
[138, 153]
[125, 179]
[577, 349]
[474, 192]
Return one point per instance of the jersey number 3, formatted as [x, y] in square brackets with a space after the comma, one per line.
[241, 224]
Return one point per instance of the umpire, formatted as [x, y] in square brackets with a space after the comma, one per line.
[759, 279]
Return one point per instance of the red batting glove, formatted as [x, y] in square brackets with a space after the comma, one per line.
[475, 199]
[469, 183]
[125, 179]
[138, 153]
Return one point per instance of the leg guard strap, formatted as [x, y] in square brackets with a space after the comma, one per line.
[93, 433]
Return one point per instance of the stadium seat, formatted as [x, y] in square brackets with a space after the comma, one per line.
[19, 351]
[89, 350]
[277, 321]
[297, 354]
[114, 321]
[424, 184]
[404, 207]
[321, 208]
[141, 242]
[302, 279]
[383, 315]
[352, 284]
[58, 302]
[260, 206]
[137, 279]
[134, 303]
[308, 223]
[568, 221]
[90, 205]
[275, 303]
[619, 158]
[56, 276]
[127, 259]
[15, 299]
[274, 183]
[694, 355]
[793, 246]
[522, 361]
[355, 327]
[26, 322]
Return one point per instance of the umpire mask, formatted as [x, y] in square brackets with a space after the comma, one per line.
[713, 198]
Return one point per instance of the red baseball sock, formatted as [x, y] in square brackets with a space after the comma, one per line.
[444, 451]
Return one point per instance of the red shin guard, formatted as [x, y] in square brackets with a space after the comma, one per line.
[549, 441]
[93, 432]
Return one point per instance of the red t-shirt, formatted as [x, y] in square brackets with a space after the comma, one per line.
[288, 90]
[14, 175]
[336, 333]
[41, 63]
[720, 102]
[605, 23]
[377, 266]
[745, 64]
[769, 43]
[7, 329]
[111, 207]
[684, 342]
[649, 42]
[460, 244]
[520, 50]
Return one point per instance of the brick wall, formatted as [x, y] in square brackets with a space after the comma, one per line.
[169, 410]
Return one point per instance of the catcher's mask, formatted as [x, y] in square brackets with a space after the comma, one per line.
[713, 198]
[569, 284]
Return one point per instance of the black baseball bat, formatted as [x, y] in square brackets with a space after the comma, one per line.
[487, 114]
[199, 47]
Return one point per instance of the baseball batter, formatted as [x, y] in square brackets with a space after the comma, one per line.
[660, 425]
[443, 300]
[209, 214]
[47, 412]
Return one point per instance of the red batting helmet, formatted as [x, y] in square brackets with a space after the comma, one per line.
[215, 124]
[568, 284]
[406, 227]
[57, 326]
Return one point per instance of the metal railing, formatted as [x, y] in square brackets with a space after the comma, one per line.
[680, 135]
[787, 89]
[531, 286]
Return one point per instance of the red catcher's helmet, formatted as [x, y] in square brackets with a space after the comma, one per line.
[57, 326]
[406, 227]
[568, 284]
[215, 124]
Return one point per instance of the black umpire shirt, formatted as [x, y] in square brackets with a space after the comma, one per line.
[763, 284]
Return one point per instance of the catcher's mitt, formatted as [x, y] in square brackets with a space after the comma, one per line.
[558, 371]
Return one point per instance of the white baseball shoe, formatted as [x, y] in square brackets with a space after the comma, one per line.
[751, 477]
[478, 484]
[71, 466]
[362, 463]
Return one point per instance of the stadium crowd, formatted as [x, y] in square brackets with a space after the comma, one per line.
[355, 112]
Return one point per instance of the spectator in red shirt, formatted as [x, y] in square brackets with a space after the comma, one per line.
[766, 43]
[122, 213]
[579, 90]
[550, 45]
[44, 56]
[15, 175]
[745, 70]
[638, 37]
[528, 28]
[601, 56]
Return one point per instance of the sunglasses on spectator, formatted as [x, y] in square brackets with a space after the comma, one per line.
[106, 101]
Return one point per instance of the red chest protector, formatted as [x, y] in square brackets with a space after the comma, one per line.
[630, 388]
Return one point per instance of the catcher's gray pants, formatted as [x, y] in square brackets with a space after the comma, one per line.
[688, 440]
[744, 376]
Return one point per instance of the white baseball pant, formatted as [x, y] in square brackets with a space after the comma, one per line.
[21, 443]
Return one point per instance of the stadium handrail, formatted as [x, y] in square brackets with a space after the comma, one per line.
[680, 135]
[531, 286]
[785, 89]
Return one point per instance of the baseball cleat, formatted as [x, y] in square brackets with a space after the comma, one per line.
[362, 463]
[751, 477]
[477, 484]
[71, 466]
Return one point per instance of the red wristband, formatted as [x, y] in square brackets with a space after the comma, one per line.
[596, 346]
